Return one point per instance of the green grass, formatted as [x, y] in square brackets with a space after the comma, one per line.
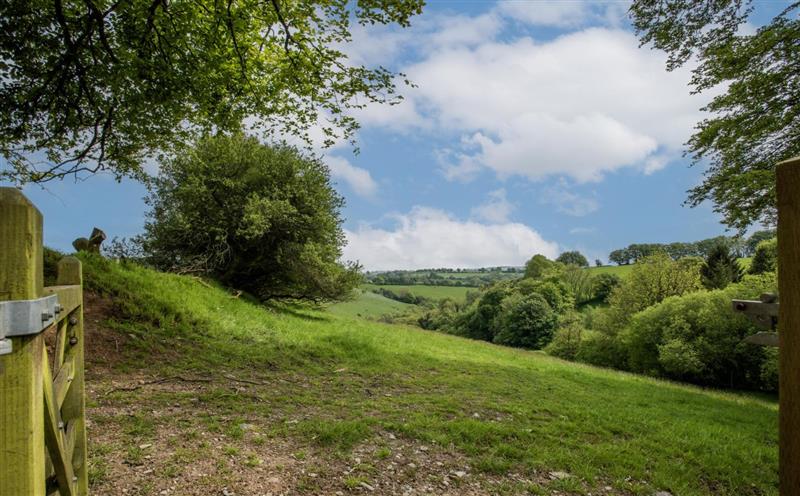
[368, 305]
[334, 383]
[457, 293]
[617, 270]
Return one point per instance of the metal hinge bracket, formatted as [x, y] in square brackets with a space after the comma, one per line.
[25, 318]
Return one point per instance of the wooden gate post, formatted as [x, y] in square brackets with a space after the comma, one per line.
[22, 454]
[788, 191]
[70, 272]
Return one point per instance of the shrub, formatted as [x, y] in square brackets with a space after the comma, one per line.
[567, 338]
[601, 349]
[580, 283]
[526, 321]
[538, 266]
[766, 257]
[603, 285]
[651, 280]
[555, 292]
[264, 219]
[697, 337]
[478, 321]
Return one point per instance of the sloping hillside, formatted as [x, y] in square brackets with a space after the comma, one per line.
[194, 391]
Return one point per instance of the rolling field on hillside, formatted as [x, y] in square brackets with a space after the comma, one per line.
[457, 293]
[194, 391]
[369, 305]
[617, 270]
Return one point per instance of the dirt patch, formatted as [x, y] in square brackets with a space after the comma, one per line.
[104, 346]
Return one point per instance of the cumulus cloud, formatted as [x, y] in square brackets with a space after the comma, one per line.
[358, 179]
[496, 209]
[427, 237]
[581, 105]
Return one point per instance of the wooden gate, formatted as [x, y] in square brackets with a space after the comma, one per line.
[42, 401]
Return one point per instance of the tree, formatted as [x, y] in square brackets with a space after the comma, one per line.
[525, 321]
[766, 257]
[620, 257]
[89, 85]
[264, 219]
[755, 120]
[756, 238]
[573, 258]
[538, 266]
[603, 285]
[720, 268]
[698, 337]
[652, 280]
[598, 262]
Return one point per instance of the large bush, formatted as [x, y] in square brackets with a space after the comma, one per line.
[260, 218]
[539, 266]
[525, 321]
[478, 321]
[603, 285]
[651, 280]
[698, 338]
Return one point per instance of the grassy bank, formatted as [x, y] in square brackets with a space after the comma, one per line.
[197, 391]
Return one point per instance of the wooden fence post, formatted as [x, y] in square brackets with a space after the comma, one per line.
[22, 454]
[70, 273]
[788, 191]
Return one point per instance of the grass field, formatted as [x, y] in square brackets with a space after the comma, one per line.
[457, 293]
[369, 305]
[617, 270]
[195, 392]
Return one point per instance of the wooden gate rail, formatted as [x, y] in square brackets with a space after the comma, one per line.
[42, 412]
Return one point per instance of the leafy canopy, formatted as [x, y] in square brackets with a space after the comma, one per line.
[89, 85]
[259, 218]
[573, 258]
[755, 121]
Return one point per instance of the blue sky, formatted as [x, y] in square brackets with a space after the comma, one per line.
[535, 127]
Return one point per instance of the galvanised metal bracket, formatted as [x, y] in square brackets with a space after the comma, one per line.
[25, 318]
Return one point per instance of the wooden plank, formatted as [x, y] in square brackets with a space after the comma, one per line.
[70, 273]
[64, 379]
[61, 344]
[54, 439]
[788, 192]
[69, 297]
[69, 439]
[22, 459]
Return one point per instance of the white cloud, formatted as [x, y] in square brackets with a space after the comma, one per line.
[359, 180]
[581, 105]
[496, 209]
[463, 30]
[655, 163]
[427, 237]
[568, 202]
